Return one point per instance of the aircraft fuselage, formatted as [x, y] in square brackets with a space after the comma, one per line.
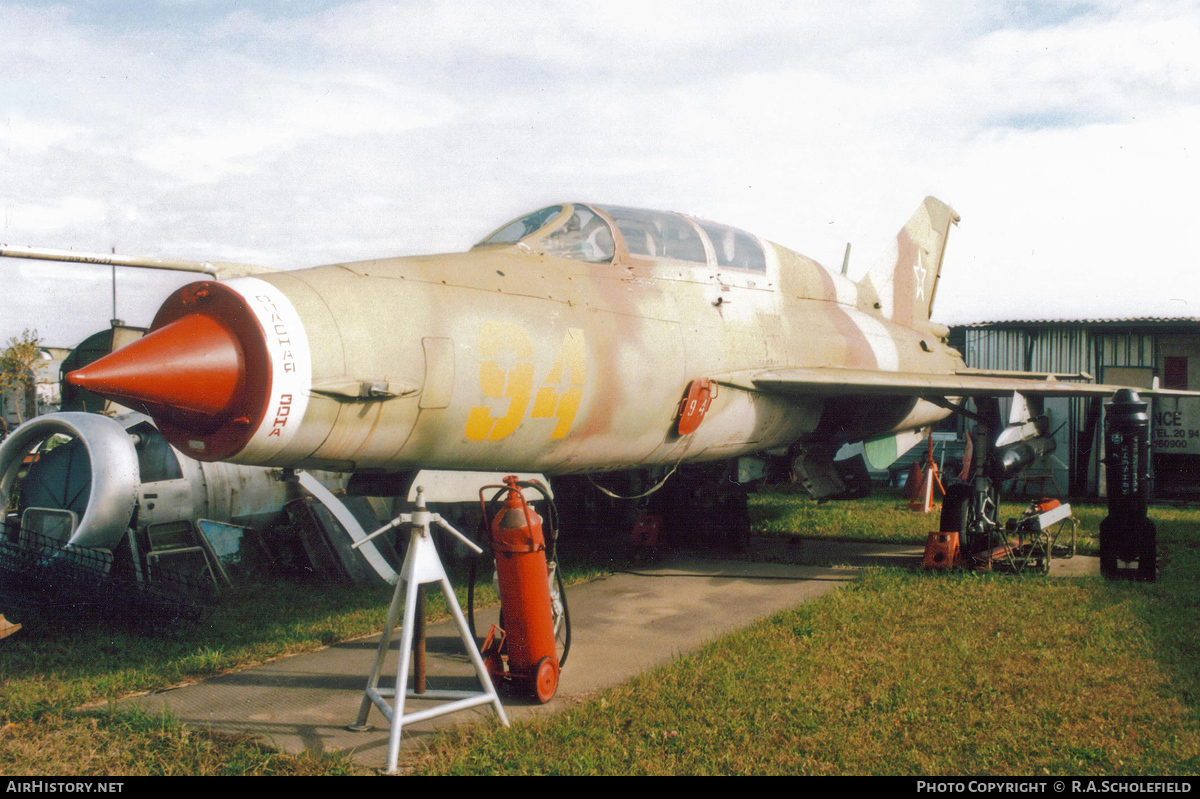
[505, 357]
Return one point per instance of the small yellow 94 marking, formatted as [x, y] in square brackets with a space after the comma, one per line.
[506, 371]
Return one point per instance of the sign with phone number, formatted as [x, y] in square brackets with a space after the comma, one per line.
[1175, 426]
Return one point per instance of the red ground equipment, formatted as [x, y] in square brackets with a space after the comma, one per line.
[922, 481]
[523, 653]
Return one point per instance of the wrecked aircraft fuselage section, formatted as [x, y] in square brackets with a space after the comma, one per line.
[103, 513]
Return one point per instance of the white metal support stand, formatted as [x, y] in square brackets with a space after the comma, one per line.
[421, 565]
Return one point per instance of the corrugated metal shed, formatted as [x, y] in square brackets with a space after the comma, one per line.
[1059, 347]
[1071, 346]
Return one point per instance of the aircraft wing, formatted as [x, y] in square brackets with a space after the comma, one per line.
[830, 381]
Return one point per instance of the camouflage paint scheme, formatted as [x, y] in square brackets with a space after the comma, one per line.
[506, 357]
[513, 357]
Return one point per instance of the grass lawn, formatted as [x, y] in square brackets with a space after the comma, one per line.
[899, 673]
[47, 673]
[57, 682]
[902, 673]
[882, 517]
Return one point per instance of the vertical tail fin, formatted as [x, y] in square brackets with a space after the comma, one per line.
[905, 277]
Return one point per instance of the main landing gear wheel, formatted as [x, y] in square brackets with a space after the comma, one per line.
[975, 526]
[955, 506]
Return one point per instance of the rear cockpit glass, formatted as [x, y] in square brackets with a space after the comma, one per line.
[585, 236]
[734, 248]
[520, 228]
[657, 234]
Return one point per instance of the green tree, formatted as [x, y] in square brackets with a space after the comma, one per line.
[16, 371]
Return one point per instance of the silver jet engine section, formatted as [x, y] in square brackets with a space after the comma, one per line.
[82, 482]
[90, 478]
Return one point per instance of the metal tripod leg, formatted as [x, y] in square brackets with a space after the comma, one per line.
[421, 565]
[397, 717]
[385, 641]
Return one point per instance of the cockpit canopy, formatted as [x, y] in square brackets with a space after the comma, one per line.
[586, 233]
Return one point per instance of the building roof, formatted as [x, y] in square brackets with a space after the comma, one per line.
[1149, 321]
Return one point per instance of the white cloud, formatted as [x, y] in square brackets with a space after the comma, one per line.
[36, 136]
[68, 212]
[1102, 212]
[205, 144]
[1061, 131]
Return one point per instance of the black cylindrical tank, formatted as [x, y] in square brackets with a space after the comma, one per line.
[1127, 534]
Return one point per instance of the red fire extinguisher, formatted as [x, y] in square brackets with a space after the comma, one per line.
[523, 652]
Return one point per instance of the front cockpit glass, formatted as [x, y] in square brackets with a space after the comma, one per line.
[588, 233]
[658, 234]
[585, 236]
[735, 249]
[520, 228]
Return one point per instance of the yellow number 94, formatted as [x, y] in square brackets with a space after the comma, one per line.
[558, 397]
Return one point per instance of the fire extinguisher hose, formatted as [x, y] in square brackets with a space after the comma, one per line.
[551, 559]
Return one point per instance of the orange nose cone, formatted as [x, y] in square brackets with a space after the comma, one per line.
[193, 364]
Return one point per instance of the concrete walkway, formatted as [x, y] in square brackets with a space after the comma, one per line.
[622, 625]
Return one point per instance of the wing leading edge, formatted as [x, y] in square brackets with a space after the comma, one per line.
[833, 381]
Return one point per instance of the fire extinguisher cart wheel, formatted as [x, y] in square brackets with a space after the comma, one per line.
[545, 684]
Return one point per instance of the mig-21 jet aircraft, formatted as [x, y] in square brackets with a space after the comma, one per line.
[580, 338]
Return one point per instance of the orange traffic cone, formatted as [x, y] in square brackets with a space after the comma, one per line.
[923, 502]
[913, 485]
[7, 628]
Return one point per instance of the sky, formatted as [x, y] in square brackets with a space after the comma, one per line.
[293, 134]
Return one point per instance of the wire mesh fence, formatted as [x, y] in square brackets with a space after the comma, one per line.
[43, 576]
